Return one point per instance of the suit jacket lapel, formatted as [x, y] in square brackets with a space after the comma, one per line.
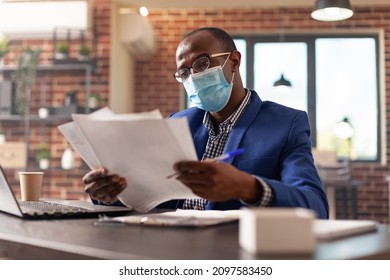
[243, 124]
[200, 140]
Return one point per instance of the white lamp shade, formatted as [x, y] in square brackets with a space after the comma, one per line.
[332, 10]
[67, 159]
[344, 129]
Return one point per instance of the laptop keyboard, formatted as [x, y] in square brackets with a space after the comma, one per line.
[48, 207]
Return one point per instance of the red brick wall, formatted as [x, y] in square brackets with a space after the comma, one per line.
[155, 86]
[57, 182]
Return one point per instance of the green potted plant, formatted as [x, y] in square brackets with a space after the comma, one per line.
[43, 156]
[62, 50]
[3, 52]
[24, 77]
[94, 101]
[84, 52]
[3, 48]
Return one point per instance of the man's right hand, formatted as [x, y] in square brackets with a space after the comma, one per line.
[103, 187]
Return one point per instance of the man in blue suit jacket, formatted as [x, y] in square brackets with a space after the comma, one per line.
[277, 167]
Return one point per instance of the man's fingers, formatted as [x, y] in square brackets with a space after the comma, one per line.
[193, 167]
[94, 174]
[102, 183]
[108, 193]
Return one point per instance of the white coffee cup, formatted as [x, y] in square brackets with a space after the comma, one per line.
[30, 185]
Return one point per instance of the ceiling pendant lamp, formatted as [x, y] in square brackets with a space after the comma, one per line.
[282, 83]
[332, 10]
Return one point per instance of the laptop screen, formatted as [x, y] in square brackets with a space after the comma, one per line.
[8, 202]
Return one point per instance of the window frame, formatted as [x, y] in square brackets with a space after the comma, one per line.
[310, 39]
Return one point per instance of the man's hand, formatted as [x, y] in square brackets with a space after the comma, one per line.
[103, 187]
[218, 181]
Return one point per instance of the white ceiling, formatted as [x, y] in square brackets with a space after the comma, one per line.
[150, 4]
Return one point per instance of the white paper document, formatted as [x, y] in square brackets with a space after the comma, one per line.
[178, 218]
[141, 147]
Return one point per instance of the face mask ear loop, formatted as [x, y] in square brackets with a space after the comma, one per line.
[224, 66]
[225, 61]
[232, 78]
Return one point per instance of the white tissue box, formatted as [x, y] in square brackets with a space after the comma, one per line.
[277, 231]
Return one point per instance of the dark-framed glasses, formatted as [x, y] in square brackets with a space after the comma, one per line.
[199, 65]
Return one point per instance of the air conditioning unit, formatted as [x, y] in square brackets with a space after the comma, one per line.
[137, 35]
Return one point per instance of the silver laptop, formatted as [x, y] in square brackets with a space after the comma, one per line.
[51, 208]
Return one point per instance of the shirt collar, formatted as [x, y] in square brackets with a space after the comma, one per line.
[231, 121]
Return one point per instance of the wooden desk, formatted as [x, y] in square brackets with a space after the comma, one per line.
[81, 239]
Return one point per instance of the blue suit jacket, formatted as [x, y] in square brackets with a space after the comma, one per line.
[277, 149]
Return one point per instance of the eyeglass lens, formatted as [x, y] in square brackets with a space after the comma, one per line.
[199, 65]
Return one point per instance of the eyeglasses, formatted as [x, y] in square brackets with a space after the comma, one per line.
[199, 65]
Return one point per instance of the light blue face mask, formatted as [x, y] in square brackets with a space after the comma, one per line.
[209, 90]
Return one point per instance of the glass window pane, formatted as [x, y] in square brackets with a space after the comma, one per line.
[241, 47]
[346, 86]
[273, 59]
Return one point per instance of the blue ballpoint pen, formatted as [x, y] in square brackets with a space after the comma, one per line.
[229, 155]
[223, 157]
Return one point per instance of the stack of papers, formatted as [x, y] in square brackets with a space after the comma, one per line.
[141, 147]
[180, 218]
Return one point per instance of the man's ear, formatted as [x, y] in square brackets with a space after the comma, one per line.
[235, 58]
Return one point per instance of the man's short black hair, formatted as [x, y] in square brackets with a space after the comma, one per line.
[226, 42]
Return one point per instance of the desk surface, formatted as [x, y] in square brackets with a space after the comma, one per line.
[81, 239]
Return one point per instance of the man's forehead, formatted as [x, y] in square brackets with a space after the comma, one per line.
[201, 42]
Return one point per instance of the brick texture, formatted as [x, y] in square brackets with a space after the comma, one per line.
[57, 182]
